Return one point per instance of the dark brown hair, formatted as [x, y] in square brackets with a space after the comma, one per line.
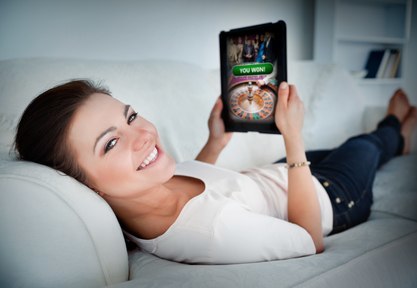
[42, 131]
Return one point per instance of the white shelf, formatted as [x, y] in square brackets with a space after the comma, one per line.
[371, 39]
[381, 81]
[381, 2]
[347, 30]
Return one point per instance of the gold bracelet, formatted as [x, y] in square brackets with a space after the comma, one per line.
[298, 164]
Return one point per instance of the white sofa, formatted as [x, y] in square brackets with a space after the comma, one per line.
[55, 232]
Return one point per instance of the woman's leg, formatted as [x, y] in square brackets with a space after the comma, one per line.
[317, 156]
[348, 172]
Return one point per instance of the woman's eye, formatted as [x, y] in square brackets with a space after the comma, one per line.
[131, 118]
[110, 145]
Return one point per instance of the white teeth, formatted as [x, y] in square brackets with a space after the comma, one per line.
[151, 157]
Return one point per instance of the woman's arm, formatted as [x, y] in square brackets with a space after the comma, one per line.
[303, 204]
[218, 137]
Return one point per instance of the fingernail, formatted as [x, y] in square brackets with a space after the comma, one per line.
[283, 85]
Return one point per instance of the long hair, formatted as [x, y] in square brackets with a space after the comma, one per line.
[42, 131]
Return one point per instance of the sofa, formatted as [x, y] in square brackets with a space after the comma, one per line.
[56, 232]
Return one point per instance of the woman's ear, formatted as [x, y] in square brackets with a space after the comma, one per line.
[93, 188]
[96, 190]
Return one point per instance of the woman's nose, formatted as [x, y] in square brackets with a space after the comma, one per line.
[137, 143]
[139, 140]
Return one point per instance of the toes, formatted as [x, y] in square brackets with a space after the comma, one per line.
[399, 105]
[407, 128]
[412, 114]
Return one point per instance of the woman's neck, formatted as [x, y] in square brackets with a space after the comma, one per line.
[157, 200]
[154, 211]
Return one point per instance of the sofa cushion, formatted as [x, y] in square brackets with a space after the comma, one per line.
[54, 228]
[395, 187]
[352, 258]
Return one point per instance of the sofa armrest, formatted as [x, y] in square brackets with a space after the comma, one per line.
[55, 231]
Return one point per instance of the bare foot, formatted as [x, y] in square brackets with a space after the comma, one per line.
[407, 127]
[399, 105]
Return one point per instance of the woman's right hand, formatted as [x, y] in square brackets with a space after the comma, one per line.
[218, 137]
[289, 113]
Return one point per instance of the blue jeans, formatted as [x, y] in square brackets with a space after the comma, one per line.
[347, 173]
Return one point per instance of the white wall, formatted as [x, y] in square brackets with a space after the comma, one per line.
[125, 30]
[410, 67]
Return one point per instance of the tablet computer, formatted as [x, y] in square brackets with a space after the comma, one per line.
[253, 62]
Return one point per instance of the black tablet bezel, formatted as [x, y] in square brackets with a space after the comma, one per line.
[279, 30]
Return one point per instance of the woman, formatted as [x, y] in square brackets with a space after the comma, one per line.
[195, 212]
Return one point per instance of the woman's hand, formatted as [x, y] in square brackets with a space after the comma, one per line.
[218, 134]
[218, 137]
[303, 205]
[289, 113]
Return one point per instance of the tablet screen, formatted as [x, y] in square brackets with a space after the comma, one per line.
[252, 84]
[251, 71]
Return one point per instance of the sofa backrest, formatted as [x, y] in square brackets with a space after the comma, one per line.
[177, 97]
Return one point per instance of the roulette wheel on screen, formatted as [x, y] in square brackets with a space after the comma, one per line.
[247, 101]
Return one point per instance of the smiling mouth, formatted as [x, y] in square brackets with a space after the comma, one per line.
[149, 159]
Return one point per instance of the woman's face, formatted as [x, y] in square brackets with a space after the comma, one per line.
[119, 151]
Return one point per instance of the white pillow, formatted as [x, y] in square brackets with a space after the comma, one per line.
[333, 103]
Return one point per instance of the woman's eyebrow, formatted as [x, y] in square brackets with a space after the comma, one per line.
[126, 110]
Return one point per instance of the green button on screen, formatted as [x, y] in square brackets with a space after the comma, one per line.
[252, 69]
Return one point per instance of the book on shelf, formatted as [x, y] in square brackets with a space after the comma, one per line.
[372, 64]
[382, 63]
[391, 70]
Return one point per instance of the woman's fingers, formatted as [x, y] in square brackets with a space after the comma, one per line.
[289, 113]
[217, 108]
[283, 94]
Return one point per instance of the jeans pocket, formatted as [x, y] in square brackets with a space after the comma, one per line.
[343, 204]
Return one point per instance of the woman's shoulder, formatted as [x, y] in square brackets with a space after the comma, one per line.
[204, 171]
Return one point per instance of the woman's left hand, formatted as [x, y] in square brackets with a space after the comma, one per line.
[289, 113]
